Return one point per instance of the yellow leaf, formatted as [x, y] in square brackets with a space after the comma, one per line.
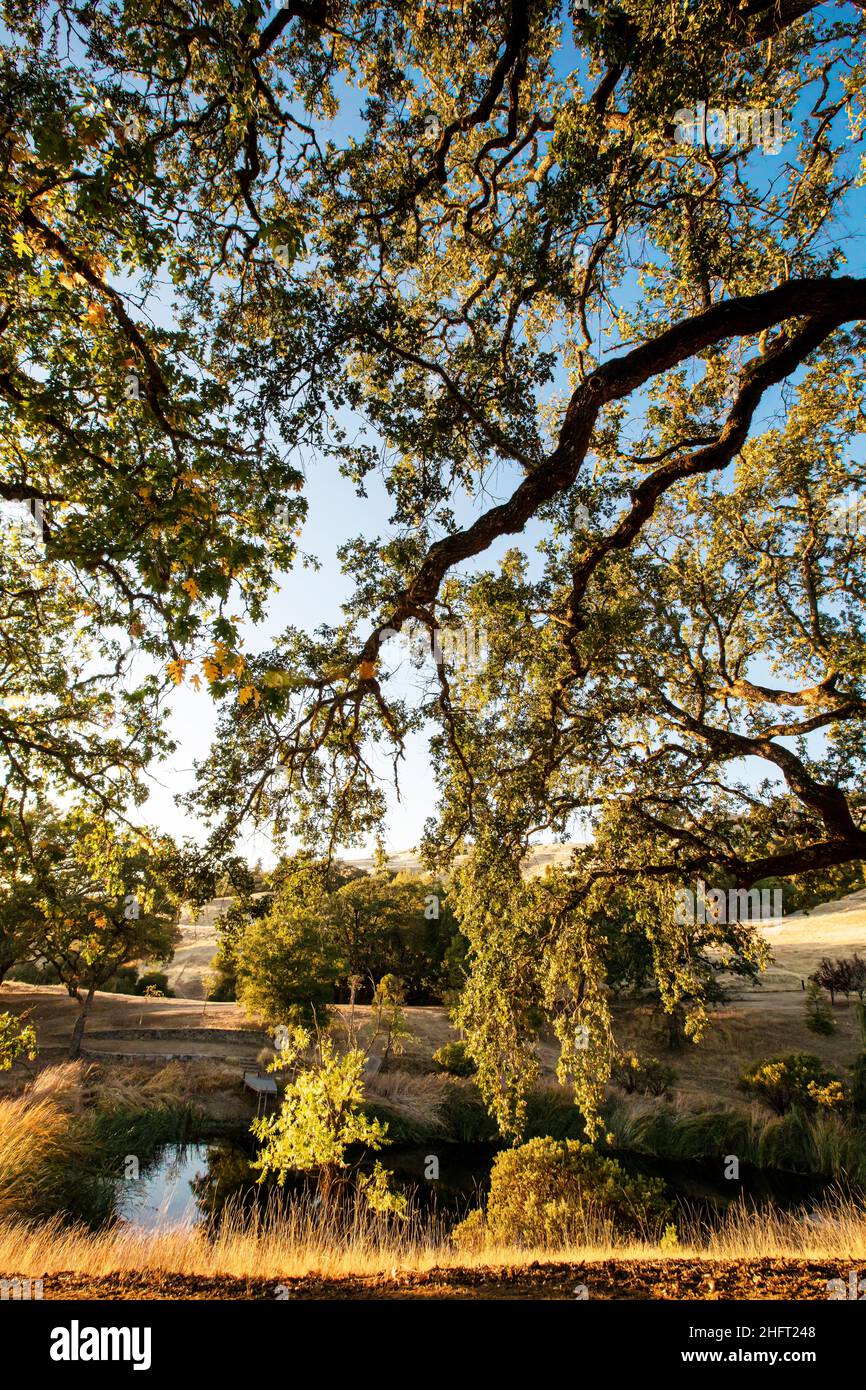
[247, 693]
[176, 669]
[191, 588]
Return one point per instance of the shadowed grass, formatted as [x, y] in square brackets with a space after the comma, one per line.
[820, 1143]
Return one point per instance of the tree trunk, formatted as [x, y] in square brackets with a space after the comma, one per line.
[677, 1028]
[80, 1023]
[326, 1190]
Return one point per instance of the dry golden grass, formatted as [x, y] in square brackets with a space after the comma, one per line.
[737, 1034]
[35, 1133]
[291, 1244]
[174, 1083]
[416, 1099]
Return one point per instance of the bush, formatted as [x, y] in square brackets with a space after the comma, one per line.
[454, 1059]
[647, 1076]
[553, 1193]
[122, 981]
[797, 1079]
[819, 1019]
[155, 981]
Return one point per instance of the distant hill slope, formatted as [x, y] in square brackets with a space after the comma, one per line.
[835, 928]
[408, 861]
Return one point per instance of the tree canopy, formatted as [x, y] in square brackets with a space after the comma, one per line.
[495, 254]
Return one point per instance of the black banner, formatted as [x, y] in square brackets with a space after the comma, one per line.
[79, 1340]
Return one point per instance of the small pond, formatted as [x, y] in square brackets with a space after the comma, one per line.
[187, 1183]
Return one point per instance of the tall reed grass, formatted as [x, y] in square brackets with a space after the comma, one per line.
[39, 1141]
[821, 1143]
[60, 1152]
[290, 1241]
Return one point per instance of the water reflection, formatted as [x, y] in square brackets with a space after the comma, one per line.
[189, 1184]
[164, 1194]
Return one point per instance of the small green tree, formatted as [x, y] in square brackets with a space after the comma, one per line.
[819, 1017]
[388, 1015]
[17, 1039]
[320, 1117]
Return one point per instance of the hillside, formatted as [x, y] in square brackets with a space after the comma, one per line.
[834, 928]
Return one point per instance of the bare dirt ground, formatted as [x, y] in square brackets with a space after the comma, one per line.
[669, 1279]
[53, 1012]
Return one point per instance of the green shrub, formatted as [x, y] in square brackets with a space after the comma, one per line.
[819, 1018]
[553, 1193]
[453, 1058]
[123, 981]
[154, 980]
[648, 1076]
[796, 1079]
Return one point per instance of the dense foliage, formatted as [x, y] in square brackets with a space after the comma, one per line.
[607, 364]
[331, 933]
[797, 1079]
[549, 1192]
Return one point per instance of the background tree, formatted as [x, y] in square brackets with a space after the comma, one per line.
[329, 925]
[103, 903]
[819, 1019]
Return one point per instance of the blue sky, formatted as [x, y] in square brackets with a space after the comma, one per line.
[309, 598]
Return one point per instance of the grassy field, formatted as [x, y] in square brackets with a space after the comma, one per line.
[750, 1255]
